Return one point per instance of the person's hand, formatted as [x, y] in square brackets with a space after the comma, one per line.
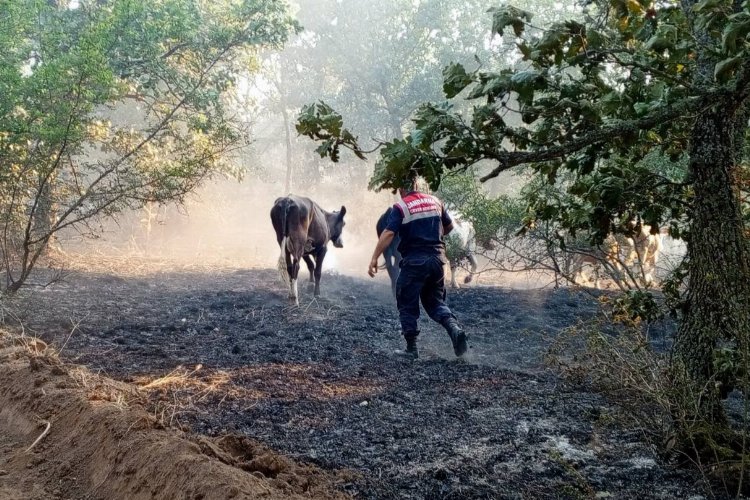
[373, 269]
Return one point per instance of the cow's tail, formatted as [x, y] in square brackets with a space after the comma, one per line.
[283, 272]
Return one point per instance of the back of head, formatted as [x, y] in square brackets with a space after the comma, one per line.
[413, 183]
[421, 185]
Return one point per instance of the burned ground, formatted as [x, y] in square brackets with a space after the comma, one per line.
[219, 351]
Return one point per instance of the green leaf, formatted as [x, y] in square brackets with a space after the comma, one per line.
[505, 16]
[527, 77]
[641, 108]
[737, 28]
[664, 39]
[417, 137]
[455, 79]
[524, 48]
[724, 69]
[704, 5]
[525, 83]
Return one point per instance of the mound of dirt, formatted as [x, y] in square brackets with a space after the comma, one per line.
[68, 433]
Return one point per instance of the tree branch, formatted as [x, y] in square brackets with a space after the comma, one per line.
[509, 159]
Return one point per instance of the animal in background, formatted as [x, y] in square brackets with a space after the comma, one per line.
[606, 256]
[637, 254]
[645, 249]
[460, 247]
[391, 254]
[303, 231]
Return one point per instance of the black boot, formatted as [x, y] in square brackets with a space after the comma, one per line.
[457, 335]
[411, 351]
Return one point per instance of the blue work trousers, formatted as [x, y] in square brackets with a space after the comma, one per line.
[421, 277]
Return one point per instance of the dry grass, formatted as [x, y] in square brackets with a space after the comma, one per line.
[15, 345]
[20, 342]
[257, 382]
[180, 391]
[622, 366]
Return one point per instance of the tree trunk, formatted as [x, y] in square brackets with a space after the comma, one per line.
[45, 215]
[718, 301]
[393, 115]
[288, 144]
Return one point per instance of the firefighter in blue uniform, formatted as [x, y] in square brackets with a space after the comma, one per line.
[421, 221]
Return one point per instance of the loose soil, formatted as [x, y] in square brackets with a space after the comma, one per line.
[220, 355]
[67, 433]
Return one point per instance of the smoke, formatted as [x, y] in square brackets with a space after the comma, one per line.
[228, 223]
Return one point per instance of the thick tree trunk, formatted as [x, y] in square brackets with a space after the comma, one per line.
[718, 302]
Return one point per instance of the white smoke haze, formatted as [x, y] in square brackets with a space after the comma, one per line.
[228, 223]
[365, 57]
[375, 62]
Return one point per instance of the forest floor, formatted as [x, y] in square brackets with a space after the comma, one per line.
[215, 363]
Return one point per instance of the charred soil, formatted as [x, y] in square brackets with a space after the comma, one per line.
[219, 352]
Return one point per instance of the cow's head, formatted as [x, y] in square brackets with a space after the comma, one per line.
[336, 226]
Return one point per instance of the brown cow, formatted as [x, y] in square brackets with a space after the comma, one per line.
[606, 256]
[303, 231]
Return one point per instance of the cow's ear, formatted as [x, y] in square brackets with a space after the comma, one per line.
[342, 213]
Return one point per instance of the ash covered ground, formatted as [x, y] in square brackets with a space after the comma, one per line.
[219, 351]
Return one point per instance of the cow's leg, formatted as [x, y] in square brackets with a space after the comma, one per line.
[310, 267]
[293, 273]
[655, 247]
[578, 277]
[289, 269]
[575, 268]
[582, 276]
[391, 265]
[597, 275]
[645, 268]
[292, 279]
[319, 269]
[453, 266]
[473, 265]
[649, 265]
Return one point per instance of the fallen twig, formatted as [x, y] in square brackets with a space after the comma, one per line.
[49, 425]
[72, 331]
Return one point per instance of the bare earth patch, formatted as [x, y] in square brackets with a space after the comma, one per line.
[67, 433]
[217, 351]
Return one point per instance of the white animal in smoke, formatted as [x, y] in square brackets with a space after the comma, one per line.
[461, 246]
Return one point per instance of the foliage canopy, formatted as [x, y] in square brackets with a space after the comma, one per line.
[106, 105]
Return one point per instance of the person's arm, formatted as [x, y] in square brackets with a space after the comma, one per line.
[386, 237]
